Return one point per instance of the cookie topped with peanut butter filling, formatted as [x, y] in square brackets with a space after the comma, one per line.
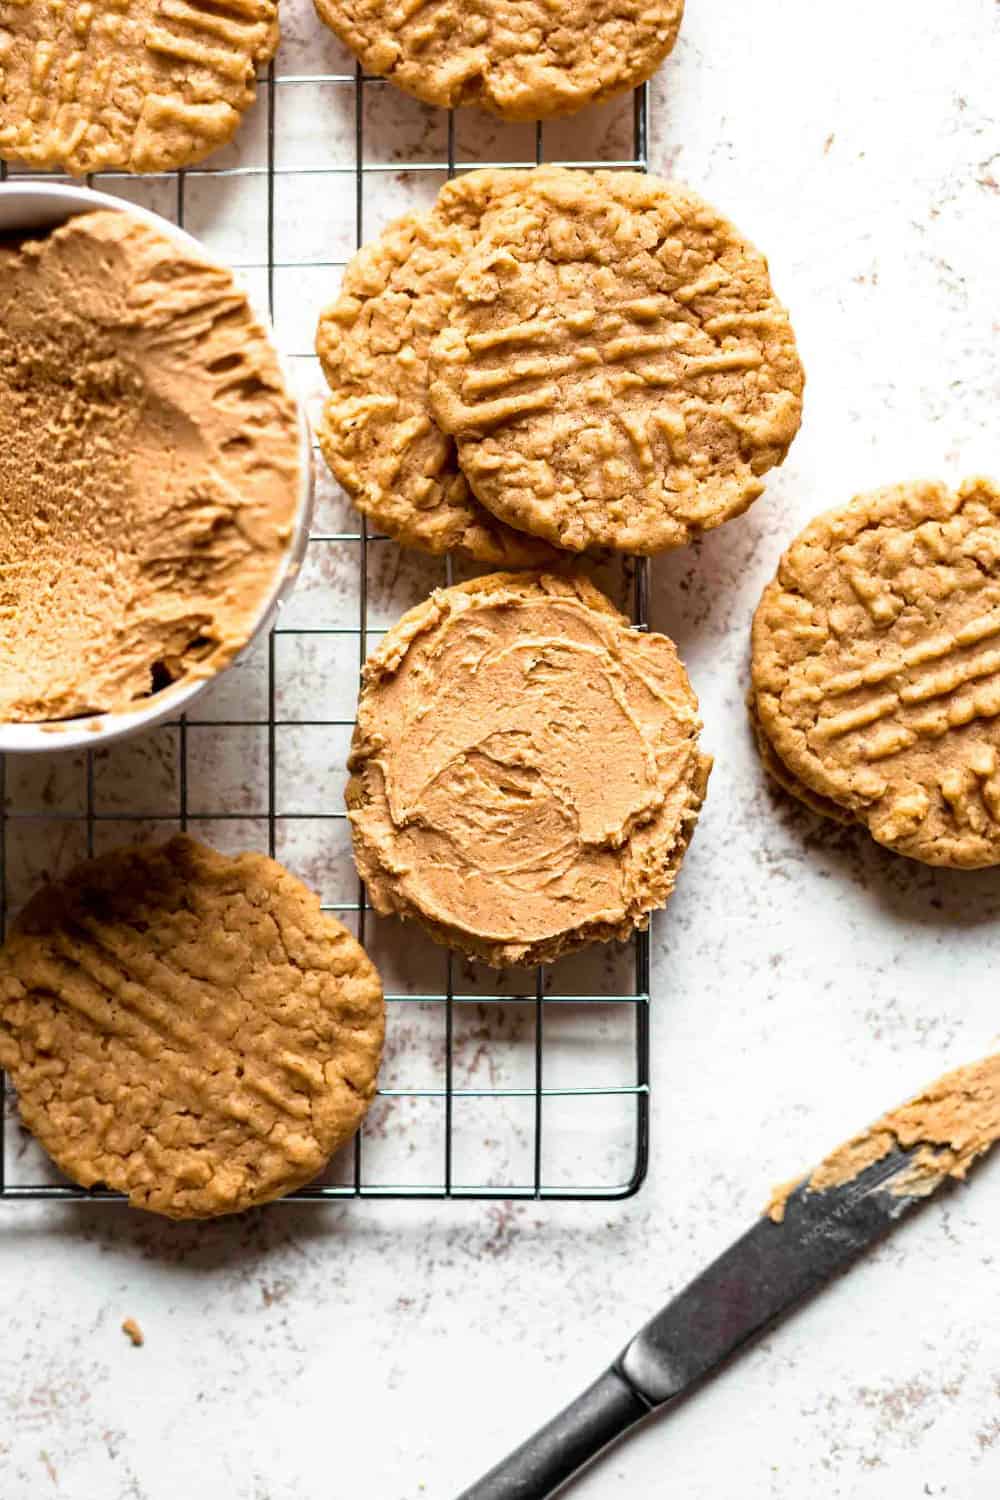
[526, 772]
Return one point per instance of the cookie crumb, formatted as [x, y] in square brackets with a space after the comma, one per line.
[132, 1331]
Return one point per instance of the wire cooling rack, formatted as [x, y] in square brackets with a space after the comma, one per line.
[495, 1086]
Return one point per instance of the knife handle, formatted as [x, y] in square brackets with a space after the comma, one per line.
[605, 1411]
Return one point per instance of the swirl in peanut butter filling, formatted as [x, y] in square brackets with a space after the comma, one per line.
[526, 773]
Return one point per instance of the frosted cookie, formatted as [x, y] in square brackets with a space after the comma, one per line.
[876, 668]
[617, 370]
[150, 466]
[521, 59]
[188, 1027]
[377, 432]
[525, 769]
[134, 85]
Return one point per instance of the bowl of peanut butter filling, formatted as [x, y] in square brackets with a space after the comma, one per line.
[155, 469]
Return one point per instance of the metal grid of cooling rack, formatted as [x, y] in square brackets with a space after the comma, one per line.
[536, 1093]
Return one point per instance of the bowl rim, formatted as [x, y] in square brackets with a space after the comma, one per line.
[45, 206]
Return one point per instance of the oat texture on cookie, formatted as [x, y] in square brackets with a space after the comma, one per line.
[876, 667]
[617, 370]
[150, 467]
[377, 433]
[130, 85]
[521, 59]
[188, 1027]
[525, 769]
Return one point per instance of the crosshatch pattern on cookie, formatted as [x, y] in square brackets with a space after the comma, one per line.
[188, 1028]
[142, 85]
[876, 666]
[617, 370]
[377, 433]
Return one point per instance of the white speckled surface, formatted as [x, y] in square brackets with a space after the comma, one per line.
[803, 980]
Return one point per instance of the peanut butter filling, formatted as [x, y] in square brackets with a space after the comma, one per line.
[149, 468]
[953, 1123]
[526, 768]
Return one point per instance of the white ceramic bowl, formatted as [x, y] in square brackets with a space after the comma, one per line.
[30, 207]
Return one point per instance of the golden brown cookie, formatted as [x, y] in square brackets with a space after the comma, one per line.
[377, 432]
[134, 85]
[780, 774]
[149, 462]
[876, 668]
[521, 59]
[617, 371]
[525, 769]
[188, 1027]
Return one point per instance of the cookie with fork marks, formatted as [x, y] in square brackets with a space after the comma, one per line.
[377, 433]
[876, 668]
[188, 1027]
[128, 85]
[521, 59]
[617, 370]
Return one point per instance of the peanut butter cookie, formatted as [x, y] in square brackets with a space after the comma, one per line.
[525, 769]
[617, 370]
[521, 59]
[134, 85]
[876, 670]
[377, 432]
[188, 1027]
[150, 468]
[781, 776]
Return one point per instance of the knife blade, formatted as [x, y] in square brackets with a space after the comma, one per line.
[817, 1229]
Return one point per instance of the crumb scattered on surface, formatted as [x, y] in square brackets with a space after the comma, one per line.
[132, 1331]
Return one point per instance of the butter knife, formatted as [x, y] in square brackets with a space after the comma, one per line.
[811, 1231]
